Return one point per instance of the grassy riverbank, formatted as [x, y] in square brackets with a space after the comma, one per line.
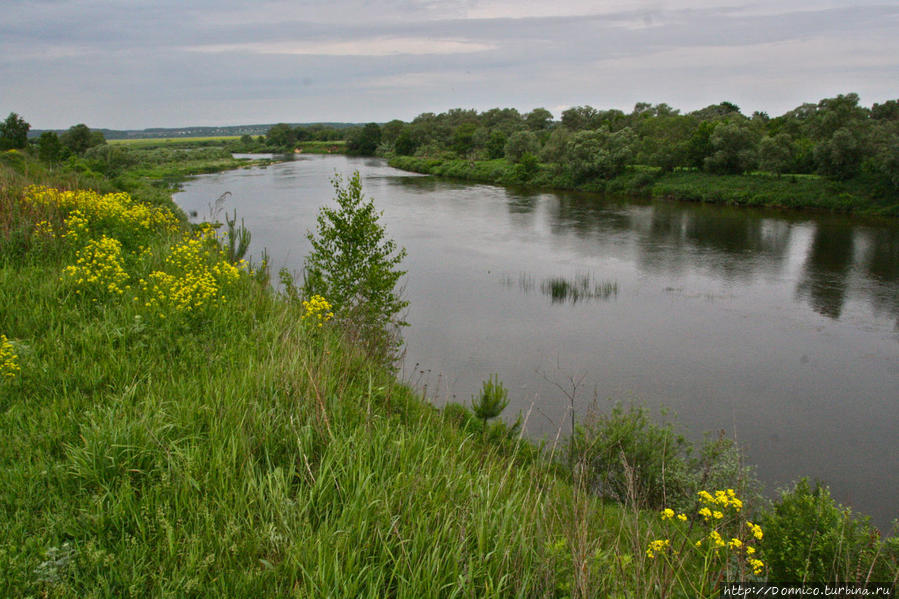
[174, 427]
[808, 192]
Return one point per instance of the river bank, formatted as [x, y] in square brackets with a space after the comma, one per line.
[793, 192]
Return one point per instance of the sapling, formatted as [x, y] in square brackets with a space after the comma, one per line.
[492, 401]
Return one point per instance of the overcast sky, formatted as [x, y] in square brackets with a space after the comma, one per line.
[172, 63]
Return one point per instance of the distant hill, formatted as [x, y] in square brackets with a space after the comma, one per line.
[162, 132]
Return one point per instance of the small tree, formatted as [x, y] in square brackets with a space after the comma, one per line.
[78, 139]
[49, 148]
[355, 267]
[13, 132]
[492, 401]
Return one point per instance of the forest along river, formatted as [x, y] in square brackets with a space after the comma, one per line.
[781, 329]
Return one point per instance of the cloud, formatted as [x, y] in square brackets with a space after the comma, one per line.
[117, 63]
[382, 46]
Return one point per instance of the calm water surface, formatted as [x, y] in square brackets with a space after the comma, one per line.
[781, 329]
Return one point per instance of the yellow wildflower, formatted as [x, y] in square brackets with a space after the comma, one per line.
[9, 365]
[657, 546]
[318, 309]
[757, 565]
[667, 514]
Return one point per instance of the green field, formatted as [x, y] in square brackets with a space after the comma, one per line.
[181, 141]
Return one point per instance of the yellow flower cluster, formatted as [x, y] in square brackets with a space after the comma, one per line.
[668, 514]
[43, 229]
[713, 511]
[657, 546]
[317, 309]
[76, 227]
[9, 361]
[98, 266]
[111, 208]
[188, 283]
[724, 499]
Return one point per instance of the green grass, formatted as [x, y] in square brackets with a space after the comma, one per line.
[244, 454]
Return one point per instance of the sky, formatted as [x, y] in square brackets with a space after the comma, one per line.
[170, 63]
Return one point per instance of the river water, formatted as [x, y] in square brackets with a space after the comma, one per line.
[781, 329]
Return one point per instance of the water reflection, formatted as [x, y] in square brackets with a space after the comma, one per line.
[824, 282]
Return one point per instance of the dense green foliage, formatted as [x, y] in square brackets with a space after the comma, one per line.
[592, 149]
[812, 538]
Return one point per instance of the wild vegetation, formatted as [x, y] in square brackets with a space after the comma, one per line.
[174, 426]
[833, 155]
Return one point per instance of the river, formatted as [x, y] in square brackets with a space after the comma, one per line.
[780, 328]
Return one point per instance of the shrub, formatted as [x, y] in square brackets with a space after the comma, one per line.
[811, 538]
[626, 456]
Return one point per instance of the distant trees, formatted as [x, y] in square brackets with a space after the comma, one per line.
[840, 157]
[599, 154]
[521, 143]
[733, 148]
[776, 153]
[835, 137]
[13, 132]
[78, 139]
[49, 148]
[538, 119]
[364, 141]
[281, 136]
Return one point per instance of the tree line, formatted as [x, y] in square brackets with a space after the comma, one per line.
[75, 141]
[835, 137]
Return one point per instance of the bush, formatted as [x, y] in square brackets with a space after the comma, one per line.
[354, 266]
[811, 538]
[625, 456]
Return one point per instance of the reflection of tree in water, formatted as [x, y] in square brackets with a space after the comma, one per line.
[881, 261]
[522, 203]
[824, 279]
[727, 242]
[589, 214]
